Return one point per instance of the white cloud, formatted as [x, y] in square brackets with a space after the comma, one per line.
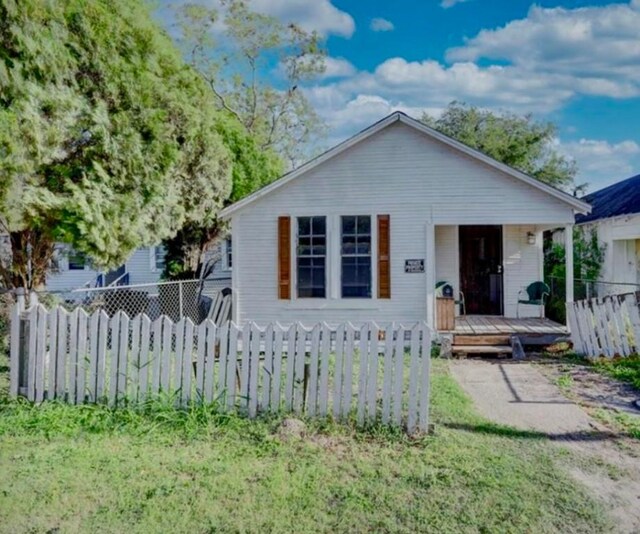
[597, 46]
[602, 163]
[446, 4]
[379, 24]
[319, 15]
[337, 67]
[536, 64]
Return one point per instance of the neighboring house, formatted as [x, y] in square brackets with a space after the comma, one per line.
[616, 219]
[366, 230]
[144, 266]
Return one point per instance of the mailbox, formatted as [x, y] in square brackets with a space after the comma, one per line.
[444, 290]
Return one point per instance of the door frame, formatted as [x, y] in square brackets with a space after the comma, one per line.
[501, 242]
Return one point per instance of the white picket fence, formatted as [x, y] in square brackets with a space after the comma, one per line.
[608, 326]
[371, 372]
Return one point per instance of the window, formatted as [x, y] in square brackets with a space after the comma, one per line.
[77, 260]
[228, 252]
[159, 257]
[356, 256]
[311, 257]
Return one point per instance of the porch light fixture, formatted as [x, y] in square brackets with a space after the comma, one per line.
[531, 238]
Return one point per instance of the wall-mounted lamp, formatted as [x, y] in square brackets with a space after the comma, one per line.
[531, 238]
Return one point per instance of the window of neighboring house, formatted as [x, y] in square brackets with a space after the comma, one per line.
[228, 252]
[356, 256]
[311, 257]
[77, 260]
[159, 257]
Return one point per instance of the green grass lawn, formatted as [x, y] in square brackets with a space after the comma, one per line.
[89, 469]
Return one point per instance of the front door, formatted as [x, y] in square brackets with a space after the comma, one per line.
[481, 269]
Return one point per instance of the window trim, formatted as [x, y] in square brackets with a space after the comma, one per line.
[152, 259]
[294, 256]
[333, 297]
[357, 255]
[226, 245]
[85, 265]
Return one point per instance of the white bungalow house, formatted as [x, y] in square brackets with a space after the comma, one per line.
[366, 230]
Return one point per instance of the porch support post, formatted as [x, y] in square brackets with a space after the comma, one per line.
[568, 249]
[430, 270]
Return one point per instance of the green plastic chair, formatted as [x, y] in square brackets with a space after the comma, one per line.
[536, 293]
[460, 302]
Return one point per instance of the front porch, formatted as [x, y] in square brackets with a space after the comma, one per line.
[488, 269]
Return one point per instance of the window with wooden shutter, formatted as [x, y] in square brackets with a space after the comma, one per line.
[384, 260]
[284, 258]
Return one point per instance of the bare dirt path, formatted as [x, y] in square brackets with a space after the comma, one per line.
[519, 395]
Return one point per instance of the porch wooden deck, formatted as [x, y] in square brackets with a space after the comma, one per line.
[497, 325]
[491, 334]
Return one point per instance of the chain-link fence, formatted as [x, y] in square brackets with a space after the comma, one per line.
[187, 298]
[582, 289]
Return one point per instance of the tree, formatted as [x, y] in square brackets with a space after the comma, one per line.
[518, 141]
[252, 168]
[236, 52]
[108, 140]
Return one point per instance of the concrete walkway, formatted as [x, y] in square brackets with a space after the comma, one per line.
[519, 395]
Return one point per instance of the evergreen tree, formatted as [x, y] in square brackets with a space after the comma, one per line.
[108, 140]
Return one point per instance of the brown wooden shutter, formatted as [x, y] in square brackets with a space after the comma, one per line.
[384, 263]
[284, 258]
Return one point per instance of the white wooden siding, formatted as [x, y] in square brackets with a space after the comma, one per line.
[621, 260]
[448, 256]
[523, 264]
[403, 173]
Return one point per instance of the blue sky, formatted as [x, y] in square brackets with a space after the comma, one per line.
[574, 62]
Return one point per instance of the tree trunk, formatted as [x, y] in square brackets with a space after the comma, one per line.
[29, 260]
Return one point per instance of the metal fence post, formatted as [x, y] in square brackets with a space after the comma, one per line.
[180, 299]
[23, 358]
[18, 350]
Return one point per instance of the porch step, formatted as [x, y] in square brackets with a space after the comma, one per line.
[482, 349]
[482, 339]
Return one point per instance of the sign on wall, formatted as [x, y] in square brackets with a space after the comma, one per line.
[413, 266]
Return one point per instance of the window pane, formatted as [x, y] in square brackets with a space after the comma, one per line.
[364, 225]
[160, 254]
[77, 261]
[304, 225]
[348, 225]
[229, 253]
[319, 226]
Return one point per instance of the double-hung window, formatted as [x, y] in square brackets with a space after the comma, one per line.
[356, 256]
[311, 257]
[159, 257]
[228, 252]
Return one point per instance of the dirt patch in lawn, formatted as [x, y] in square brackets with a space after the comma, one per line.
[591, 389]
[560, 401]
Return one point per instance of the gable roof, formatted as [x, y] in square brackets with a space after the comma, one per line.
[398, 116]
[622, 198]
